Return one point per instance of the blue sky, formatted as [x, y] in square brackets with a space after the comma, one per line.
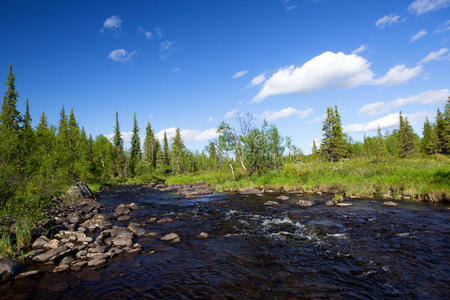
[192, 64]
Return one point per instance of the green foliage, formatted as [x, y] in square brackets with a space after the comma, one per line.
[333, 146]
[6, 247]
[150, 147]
[178, 155]
[119, 153]
[407, 140]
[135, 153]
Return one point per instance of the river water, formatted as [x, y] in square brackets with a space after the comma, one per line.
[364, 251]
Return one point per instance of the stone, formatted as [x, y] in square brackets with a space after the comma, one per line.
[283, 198]
[73, 218]
[80, 190]
[97, 256]
[390, 203]
[66, 260]
[27, 274]
[133, 206]
[151, 234]
[171, 237]
[97, 221]
[122, 209]
[152, 220]
[135, 250]
[329, 203]
[50, 254]
[123, 239]
[123, 218]
[81, 229]
[270, 203]
[87, 239]
[165, 220]
[98, 249]
[53, 244]
[40, 241]
[305, 203]
[81, 254]
[203, 235]
[96, 262]
[9, 269]
[343, 204]
[61, 268]
[250, 191]
[77, 266]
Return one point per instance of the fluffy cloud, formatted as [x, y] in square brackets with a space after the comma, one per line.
[436, 55]
[189, 135]
[428, 97]
[387, 20]
[386, 122]
[113, 23]
[286, 112]
[240, 74]
[398, 74]
[231, 113]
[126, 136]
[210, 119]
[418, 35]
[166, 49]
[420, 7]
[326, 70]
[360, 49]
[121, 55]
[257, 80]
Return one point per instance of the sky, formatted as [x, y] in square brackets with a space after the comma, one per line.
[193, 64]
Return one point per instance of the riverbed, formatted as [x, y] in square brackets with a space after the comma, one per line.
[255, 251]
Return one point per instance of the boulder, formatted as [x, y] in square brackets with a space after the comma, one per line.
[9, 269]
[203, 235]
[165, 220]
[343, 204]
[73, 218]
[122, 209]
[98, 221]
[50, 254]
[53, 244]
[250, 191]
[123, 239]
[171, 237]
[80, 190]
[329, 203]
[133, 206]
[305, 203]
[27, 274]
[283, 198]
[40, 241]
[270, 203]
[96, 262]
[390, 203]
[123, 218]
[67, 260]
[77, 266]
[61, 268]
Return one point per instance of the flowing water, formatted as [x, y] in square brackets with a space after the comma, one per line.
[363, 251]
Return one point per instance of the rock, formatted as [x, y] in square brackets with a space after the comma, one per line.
[80, 190]
[165, 220]
[122, 209]
[97, 256]
[329, 203]
[123, 218]
[344, 204]
[46, 256]
[33, 253]
[133, 206]
[81, 254]
[9, 269]
[152, 220]
[250, 191]
[171, 237]
[390, 203]
[203, 235]
[27, 274]
[136, 229]
[73, 218]
[270, 203]
[40, 241]
[87, 239]
[77, 266]
[305, 203]
[81, 229]
[98, 249]
[98, 221]
[66, 260]
[151, 234]
[53, 244]
[134, 250]
[123, 239]
[283, 198]
[61, 268]
[96, 262]
[70, 245]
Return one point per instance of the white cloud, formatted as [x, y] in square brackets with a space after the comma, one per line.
[387, 20]
[240, 74]
[177, 70]
[121, 55]
[189, 135]
[257, 80]
[397, 75]
[210, 119]
[418, 35]
[386, 122]
[327, 70]
[166, 49]
[318, 142]
[420, 7]
[286, 112]
[360, 49]
[148, 34]
[443, 27]
[290, 4]
[434, 55]
[158, 32]
[231, 113]
[113, 23]
[126, 136]
[428, 97]
[316, 119]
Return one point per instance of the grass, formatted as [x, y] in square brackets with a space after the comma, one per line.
[418, 178]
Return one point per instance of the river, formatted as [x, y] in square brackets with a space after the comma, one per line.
[366, 251]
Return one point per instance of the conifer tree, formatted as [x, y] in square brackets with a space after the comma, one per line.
[27, 142]
[447, 126]
[135, 153]
[406, 138]
[166, 152]
[425, 142]
[439, 127]
[177, 153]
[149, 146]
[159, 155]
[10, 116]
[213, 159]
[333, 144]
[119, 153]
[314, 147]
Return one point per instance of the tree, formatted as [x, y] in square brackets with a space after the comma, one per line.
[10, 116]
[166, 152]
[226, 144]
[135, 153]
[425, 145]
[177, 153]
[446, 135]
[333, 144]
[27, 142]
[406, 138]
[150, 146]
[119, 153]
[314, 148]
[213, 159]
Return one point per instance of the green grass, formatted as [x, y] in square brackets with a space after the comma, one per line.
[419, 178]
[6, 247]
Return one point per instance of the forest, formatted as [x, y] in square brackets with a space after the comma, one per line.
[39, 163]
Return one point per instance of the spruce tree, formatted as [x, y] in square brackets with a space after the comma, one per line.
[135, 153]
[119, 153]
[333, 144]
[10, 116]
[213, 159]
[166, 152]
[159, 155]
[314, 147]
[27, 142]
[177, 153]
[446, 134]
[406, 138]
[425, 142]
[149, 146]
[439, 127]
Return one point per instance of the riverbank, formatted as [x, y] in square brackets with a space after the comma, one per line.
[400, 179]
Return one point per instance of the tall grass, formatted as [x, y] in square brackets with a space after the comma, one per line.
[6, 247]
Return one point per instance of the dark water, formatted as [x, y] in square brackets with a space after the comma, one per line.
[364, 251]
